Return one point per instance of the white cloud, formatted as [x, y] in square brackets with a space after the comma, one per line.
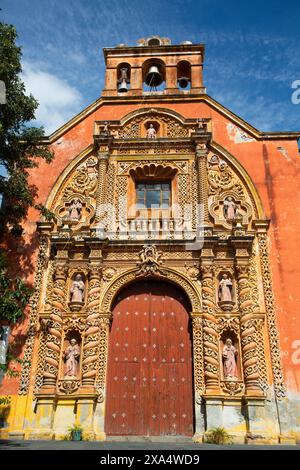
[58, 101]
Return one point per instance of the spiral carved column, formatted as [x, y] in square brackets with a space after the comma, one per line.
[101, 186]
[248, 333]
[53, 344]
[91, 335]
[210, 333]
[211, 353]
[201, 162]
[208, 292]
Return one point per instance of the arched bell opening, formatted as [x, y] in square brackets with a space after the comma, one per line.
[154, 75]
[123, 77]
[184, 75]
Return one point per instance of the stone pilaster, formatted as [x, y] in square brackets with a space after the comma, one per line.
[201, 165]
[101, 185]
[105, 319]
[54, 338]
[91, 335]
[197, 324]
[248, 332]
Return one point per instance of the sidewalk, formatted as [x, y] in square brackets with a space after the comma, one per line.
[12, 444]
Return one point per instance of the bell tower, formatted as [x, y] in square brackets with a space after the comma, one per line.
[154, 66]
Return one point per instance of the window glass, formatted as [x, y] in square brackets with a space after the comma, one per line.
[153, 195]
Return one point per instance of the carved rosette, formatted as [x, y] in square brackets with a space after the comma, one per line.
[211, 352]
[198, 356]
[54, 337]
[248, 332]
[91, 335]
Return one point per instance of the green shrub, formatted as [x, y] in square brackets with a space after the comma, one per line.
[218, 436]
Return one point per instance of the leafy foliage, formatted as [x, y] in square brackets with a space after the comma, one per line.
[20, 145]
[14, 294]
[218, 436]
[21, 150]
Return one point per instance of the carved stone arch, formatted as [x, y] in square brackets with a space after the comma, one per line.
[165, 274]
[167, 123]
[77, 182]
[65, 174]
[241, 174]
[143, 112]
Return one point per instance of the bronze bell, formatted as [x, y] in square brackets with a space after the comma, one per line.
[183, 82]
[123, 86]
[123, 81]
[154, 77]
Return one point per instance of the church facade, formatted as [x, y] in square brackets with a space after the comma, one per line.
[166, 294]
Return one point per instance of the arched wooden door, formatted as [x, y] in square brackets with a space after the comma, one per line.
[149, 378]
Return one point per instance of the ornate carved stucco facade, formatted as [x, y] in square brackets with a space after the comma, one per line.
[208, 157]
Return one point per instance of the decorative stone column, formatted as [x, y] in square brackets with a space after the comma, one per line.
[53, 345]
[105, 319]
[210, 333]
[277, 369]
[101, 185]
[201, 165]
[248, 332]
[91, 335]
[211, 354]
[197, 324]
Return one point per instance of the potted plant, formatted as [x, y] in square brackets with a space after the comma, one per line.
[76, 432]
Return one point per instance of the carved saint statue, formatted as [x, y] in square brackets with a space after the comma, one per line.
[200, 124]
[225, 289]
[71, 356]
[75, 210]
[151, 132]
[106, 128]
[229, 208]
[229, 360]
[77, 289]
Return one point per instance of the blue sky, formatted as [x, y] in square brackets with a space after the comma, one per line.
[252, 50]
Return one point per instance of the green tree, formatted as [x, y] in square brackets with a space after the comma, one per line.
[21, 149]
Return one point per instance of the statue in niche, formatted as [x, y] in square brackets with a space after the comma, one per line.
[75, 210]
[201, 126]
[77, 290]
[106, 128]
[229, 209]
[71, 356]
[225, 289]
[229, 360]
[151, 132]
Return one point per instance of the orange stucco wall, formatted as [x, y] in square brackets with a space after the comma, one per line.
[276, 176]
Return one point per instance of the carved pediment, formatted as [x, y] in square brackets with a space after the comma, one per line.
[152, 123]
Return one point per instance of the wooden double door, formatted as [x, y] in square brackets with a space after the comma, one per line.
[150, 368]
